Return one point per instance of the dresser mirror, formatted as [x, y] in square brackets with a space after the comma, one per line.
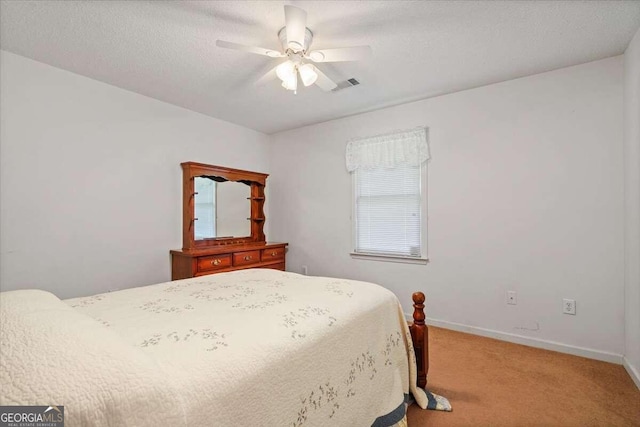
[221, 206]
[222, 209]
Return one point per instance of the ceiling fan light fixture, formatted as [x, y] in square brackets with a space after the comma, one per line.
[308, 74]
[291, 83]
[286, 70]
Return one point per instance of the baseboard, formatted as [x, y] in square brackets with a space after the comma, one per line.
[633, 373]
[531, 342]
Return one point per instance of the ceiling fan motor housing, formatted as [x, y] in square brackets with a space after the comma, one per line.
[308, 38]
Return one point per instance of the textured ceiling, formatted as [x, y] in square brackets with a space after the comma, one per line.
[166, 50]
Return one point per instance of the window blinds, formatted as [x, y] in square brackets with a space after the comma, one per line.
[387, 205]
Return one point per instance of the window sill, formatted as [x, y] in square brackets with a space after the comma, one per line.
[389, 258]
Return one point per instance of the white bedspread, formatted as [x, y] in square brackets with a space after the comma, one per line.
[247, 348]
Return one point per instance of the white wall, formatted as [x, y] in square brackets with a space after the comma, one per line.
[632, 206]
[90, 179]
[525, 193]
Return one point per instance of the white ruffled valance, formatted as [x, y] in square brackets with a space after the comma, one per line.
[390, 150]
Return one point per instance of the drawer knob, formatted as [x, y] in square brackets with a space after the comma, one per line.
[216, 262]
[247, 258]
[274, 253]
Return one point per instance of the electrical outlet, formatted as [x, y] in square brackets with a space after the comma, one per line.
[512, 299]
[569, 306]
[304, 270]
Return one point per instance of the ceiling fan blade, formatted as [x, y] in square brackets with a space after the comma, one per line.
[296, 23]
[324, 82]
[252, 49]
[269, 76]
[340, 54]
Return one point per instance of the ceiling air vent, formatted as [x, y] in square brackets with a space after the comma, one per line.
[345, 84]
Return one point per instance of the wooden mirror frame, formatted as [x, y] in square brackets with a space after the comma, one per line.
[257, 182]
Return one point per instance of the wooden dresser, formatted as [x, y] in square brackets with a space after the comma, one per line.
[186, 264]
[221, 252]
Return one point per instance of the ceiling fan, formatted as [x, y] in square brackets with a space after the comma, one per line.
[296, 40]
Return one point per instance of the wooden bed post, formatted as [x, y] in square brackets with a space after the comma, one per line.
[420, 337]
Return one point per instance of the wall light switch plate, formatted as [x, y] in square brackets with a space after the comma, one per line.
[512, 298]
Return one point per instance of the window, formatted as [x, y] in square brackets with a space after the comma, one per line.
[388, 211]
[389, 195]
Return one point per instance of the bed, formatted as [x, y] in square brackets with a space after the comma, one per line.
[255, 347]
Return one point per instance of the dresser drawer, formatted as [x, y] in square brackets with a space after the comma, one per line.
[278, 266]
[272, 254]
[185, 264]
[214, 262]
[247, 257]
